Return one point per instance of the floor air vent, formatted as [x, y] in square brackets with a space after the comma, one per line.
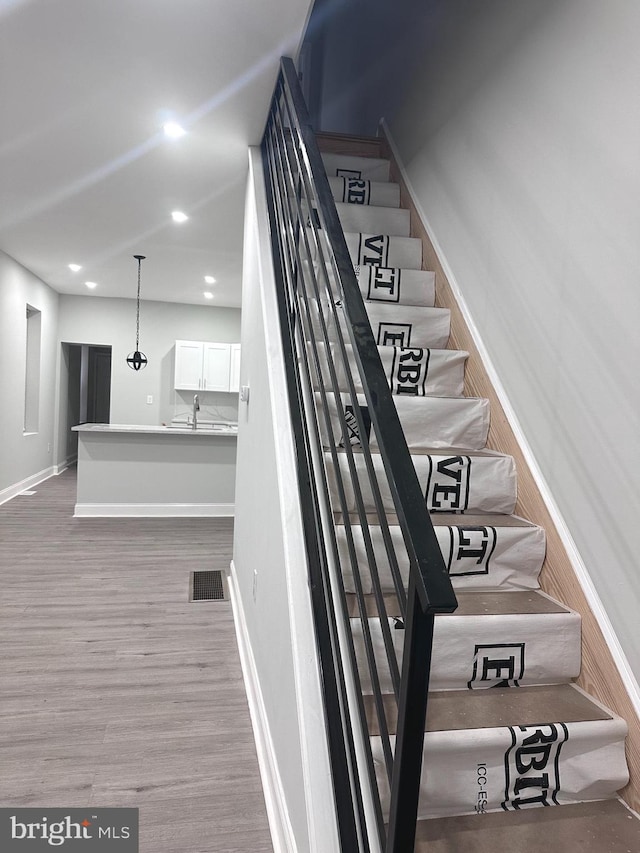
[207, 586]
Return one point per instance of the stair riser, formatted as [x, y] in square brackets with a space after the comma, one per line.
[411, 372]
[384, 251]
[508, 558]
[427, 422]
[481, 652]
[403, 326]
[449, 484]
[391, 286]
[374, 220]
[368, 168]
[475, 771]
[363, 192]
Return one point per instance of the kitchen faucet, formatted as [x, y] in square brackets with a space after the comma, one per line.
[196, 408]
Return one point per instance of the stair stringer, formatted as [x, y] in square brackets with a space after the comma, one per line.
[605, 673]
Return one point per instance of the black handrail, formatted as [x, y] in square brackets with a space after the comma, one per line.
[318, 296]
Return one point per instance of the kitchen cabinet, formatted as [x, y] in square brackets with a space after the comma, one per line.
[206, 366]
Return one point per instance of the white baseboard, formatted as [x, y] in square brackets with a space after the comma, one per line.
[17, 488]
[87, 510]
[277, 814]
[62, 466]
[579, 566]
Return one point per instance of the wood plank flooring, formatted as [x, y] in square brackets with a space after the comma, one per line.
[114, 689]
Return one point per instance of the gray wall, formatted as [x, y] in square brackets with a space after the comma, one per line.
[95, 320]
[23, 456]
[259, 549]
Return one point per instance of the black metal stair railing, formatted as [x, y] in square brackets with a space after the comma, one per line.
[332, 360]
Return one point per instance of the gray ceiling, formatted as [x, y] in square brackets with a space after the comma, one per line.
[86, 173]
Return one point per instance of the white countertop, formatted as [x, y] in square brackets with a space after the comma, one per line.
[149, 429]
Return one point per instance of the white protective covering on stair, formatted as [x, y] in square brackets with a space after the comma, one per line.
[485, 650]
[382, 250]
[353, 190]
[482, 770]
[426, 421]
[393, 221]
[348, 165]
[464, 482]
[477, 557]
[391, 286]
[416, 371]
[403, 326]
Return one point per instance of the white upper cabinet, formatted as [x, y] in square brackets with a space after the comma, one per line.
[188, 376]
[216, 364]
[204, 366]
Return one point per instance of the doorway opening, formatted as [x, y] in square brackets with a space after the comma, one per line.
[85, 392]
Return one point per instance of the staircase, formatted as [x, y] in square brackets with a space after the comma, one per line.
[507, 729]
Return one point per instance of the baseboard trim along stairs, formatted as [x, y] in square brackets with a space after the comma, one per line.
[508, 728]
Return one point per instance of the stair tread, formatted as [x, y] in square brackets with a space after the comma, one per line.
[447, 519]
[453, 710]
[347, 160]
[603, 826]
[476, 603]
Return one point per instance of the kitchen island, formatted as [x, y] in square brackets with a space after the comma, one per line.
[147, 471]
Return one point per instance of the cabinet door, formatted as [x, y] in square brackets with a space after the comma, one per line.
[234, 373]
[188, 375]
[217, 361]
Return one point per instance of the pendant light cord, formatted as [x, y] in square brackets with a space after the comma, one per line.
[140, 259]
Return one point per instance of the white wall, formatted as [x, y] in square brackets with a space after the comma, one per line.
[269, 562]
[521, 135]
[111, 322]
[23, 456]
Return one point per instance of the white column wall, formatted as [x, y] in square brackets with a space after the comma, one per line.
[270, 568]
[520, 136]
[23, 456]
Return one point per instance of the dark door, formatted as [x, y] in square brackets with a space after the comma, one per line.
[99, 385]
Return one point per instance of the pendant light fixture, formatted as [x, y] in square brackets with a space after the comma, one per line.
[137, 360]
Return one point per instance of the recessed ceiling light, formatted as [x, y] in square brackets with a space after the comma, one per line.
[74, 267]
[173, 130]
[179, 216]
[208, 294]
[91, 284]
[209, 279]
